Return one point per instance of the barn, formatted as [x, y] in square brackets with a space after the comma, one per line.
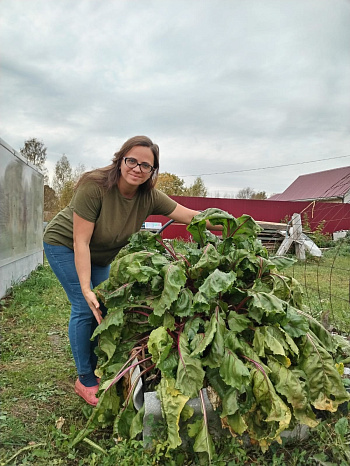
[326, 186]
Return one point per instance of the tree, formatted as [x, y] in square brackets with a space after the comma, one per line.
[249, 193]
[65, 179]
[78, 171]
[35, 152]
[170, 184]
[259, 195]
[66, 194]
[63, 174]
[197, 189]
[50, 203]
[245, 193]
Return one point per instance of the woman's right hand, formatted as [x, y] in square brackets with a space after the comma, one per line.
[94, 305]
[82, 232]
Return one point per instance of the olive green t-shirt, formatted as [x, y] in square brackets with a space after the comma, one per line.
[115, 217]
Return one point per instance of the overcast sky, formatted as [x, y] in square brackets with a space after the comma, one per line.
[221, 85]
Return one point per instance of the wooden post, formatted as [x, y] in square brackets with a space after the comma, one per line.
[297, 236]
[294, 233]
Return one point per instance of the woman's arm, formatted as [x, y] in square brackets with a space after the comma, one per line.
[82, 232]
[182, 214]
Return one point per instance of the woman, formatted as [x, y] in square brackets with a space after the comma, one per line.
[109, 204]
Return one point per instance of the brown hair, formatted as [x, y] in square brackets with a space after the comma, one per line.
[107, 177]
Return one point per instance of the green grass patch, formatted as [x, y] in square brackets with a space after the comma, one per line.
[41, 414]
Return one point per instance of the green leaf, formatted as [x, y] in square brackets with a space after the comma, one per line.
[192, 326]
[235, 423]
[289, 384]
[216, 352]
[326, 389]
[159, 345]
[190, 374]
[124, 420]
[217, 282]
[174, 280]
[187, 413]
[230, 402]
[238, 322]
[182, 307]
[203, 441]
[115, 318]
[246, 229]
[270, 339]
[132, 267]
[169, 364]
[144, 240]
[137, 423]
[107, 344]
[273, 408]
[326, 338]
[295, 324]
[290, 343]
[209, 261]
[168, 321]
[201, 302]
[282, 262]
[232, 369]
[197, 227]
[208, 336]
[172, 402]
[112, 299]
[342, 427]
[264, 305]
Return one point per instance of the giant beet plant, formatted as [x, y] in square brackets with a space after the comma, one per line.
[216, 313]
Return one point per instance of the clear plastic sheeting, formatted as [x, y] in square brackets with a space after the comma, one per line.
[21, 217]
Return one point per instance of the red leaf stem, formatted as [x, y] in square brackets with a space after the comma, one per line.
[172, 253]
[122, 371]
[185, 259]
[174, 337]
[134, 311]
[235, 231]
[132, 388]
[257, 365]
[261, 266]
[242, 303]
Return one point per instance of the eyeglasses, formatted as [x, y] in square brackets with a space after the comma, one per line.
[133, 163]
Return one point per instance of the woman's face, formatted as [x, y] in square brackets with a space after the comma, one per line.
[134, 176]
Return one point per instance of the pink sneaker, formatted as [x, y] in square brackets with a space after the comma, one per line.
[88, 393]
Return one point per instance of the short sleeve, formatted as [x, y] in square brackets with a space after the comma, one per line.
[163, 204]
[87, 201]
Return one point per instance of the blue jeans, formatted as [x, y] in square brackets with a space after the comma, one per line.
[82, 322]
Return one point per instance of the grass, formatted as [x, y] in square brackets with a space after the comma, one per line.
[41, 414]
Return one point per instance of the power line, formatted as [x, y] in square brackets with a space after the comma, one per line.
[266, 168]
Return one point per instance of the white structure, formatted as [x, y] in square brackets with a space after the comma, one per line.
[21, 217]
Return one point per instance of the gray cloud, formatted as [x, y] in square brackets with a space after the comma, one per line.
[221, 85]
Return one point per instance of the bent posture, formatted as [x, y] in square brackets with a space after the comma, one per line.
[109, 204]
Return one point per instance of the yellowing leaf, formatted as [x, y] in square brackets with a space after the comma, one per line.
[172, 402]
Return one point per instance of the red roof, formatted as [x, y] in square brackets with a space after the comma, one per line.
[328, 184]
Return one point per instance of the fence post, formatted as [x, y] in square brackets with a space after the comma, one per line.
[297, 238]
[294, 236]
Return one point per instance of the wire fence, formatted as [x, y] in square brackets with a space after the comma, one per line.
[323, 270]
